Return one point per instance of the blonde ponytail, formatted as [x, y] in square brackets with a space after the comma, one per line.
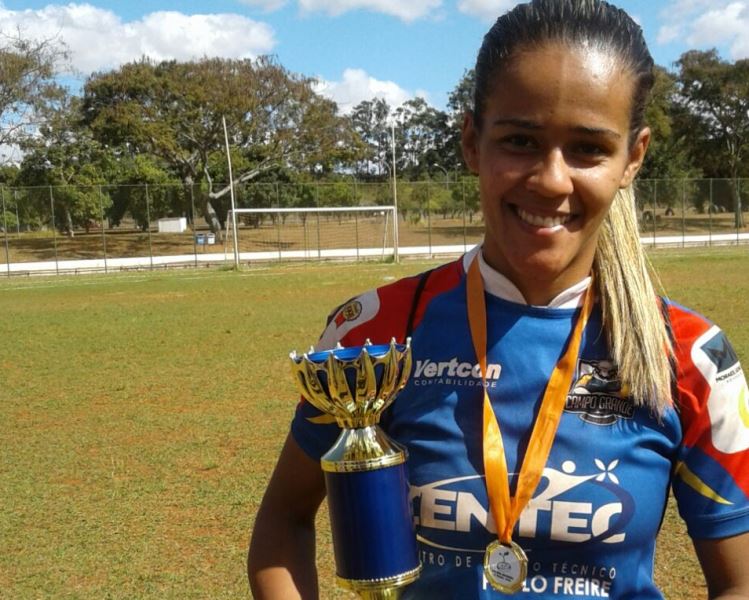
[632, 318]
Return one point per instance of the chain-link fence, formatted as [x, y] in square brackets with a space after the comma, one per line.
[63, 229]
[695, 211]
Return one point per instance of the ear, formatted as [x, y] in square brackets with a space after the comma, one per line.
[469, 142]
[636, 156]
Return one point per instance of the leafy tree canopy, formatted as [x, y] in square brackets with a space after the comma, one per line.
[174, 110]
[27, 84]
[668, 154]
[713, 97]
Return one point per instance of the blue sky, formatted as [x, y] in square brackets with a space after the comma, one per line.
[357, 48]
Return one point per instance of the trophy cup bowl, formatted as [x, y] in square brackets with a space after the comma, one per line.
[365, 472]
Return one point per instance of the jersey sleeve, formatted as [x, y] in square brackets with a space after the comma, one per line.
[711, 474]
[377, 315]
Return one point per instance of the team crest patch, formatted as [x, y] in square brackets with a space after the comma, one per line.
[349, 312]
[598, 396]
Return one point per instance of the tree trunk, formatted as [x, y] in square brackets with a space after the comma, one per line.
[212, 219]
[69, 223]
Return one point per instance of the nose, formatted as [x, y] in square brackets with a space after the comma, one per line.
[551, 177]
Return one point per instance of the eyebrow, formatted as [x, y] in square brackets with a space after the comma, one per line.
[533, 126]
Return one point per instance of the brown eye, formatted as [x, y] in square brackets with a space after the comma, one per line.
[589, 149]
[519, 142]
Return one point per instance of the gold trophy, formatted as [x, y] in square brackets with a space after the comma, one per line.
[365, 472]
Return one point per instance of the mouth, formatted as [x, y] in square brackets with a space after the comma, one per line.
[543, 221]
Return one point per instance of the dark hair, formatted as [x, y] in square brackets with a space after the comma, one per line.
[593, 24]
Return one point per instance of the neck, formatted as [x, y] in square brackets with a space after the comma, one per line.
[540, 288]
[543, 295]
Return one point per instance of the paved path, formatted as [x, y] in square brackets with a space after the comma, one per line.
[101, 265]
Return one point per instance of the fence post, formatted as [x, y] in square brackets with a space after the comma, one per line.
[54, 230]
[18, 219]
[356, 232]
[317, 204]
[429, 217]
[278, 223]
[194, 224]
[655, 207]
[683, 213]
[148, 227]
[463, 198]
[355, 204]
[710, 216]
[103, 231]
[5, 232]
[737, 210]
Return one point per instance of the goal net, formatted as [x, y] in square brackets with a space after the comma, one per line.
[312, 233]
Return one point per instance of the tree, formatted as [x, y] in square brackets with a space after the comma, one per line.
[27, 84]
[142, 188]
[668, 155]
[459, 102]
[467, 195]
[174, 111]
[369, 120]
[714, 97]
[668, 162]
[423, 136]
[64, 155]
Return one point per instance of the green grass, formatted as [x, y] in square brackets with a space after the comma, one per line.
[142, 415]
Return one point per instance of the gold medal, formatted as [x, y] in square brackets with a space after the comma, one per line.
[505, 563]
[505, 566]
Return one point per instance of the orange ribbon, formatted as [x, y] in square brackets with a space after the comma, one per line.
[505, 508]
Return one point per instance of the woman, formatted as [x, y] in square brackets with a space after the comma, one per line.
[555, 317]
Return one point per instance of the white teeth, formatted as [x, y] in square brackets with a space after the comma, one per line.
[539, 221]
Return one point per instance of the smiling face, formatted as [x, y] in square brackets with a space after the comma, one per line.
[553, 149]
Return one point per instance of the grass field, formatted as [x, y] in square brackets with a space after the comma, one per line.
[143, 415]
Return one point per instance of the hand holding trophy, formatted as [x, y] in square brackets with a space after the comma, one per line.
[365, 471]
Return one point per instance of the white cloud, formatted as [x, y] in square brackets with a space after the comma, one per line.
[98, 39]
[266, 5]
[668, 33]
[706, 23]
[486, 10]
[685, 9]
[356, 86]
[720, 25]
[406, 10]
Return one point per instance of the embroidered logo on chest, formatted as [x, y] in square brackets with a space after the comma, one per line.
[598, 395]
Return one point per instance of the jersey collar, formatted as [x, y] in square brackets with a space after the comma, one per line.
[498, 285]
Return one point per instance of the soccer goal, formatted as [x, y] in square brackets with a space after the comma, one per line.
[313, 233]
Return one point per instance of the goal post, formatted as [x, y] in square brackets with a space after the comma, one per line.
[313, 233]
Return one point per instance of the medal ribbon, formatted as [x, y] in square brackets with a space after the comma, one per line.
[506, 508]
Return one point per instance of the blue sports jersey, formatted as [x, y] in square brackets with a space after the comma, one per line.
[589, 530]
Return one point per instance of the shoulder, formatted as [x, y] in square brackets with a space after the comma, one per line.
[711, 470]
[384, 313]
[686, 324]
[711, 385]
[698, 342]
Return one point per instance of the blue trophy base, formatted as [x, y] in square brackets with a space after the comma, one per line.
[373, 534]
